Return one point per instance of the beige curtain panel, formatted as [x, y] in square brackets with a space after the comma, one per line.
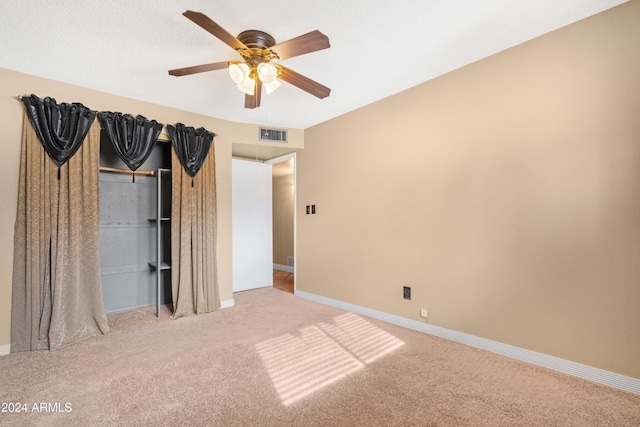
[194, 278]
[57, 292]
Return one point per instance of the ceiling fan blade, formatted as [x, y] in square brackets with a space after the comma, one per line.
[199, 68]
[253, 101]
[302, 82]
[205, 22]
[300, 45]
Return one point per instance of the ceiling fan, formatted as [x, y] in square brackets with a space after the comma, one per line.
[259, 66]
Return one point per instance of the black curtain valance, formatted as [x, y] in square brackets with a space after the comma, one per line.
[60, 128]
[192, 146]
[132, 138]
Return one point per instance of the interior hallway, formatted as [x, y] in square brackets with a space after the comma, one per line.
[283, 281]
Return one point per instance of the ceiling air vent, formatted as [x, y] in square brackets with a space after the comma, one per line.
[273, 135]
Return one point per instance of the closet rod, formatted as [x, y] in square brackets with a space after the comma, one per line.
[127, 171]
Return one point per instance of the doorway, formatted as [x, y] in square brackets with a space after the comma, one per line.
[283, 217]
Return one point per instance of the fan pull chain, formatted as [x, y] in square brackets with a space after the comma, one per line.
[133, 175]
[58, 173]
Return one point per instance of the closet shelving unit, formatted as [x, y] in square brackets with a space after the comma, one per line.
[162, 219]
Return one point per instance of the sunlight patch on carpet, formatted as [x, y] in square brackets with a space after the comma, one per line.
[322, 354]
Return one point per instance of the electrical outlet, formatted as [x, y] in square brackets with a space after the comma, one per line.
[406, 292]
[424, 313]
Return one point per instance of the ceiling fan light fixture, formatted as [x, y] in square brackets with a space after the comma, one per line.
[270, 87]
[248, 86]
[267, 72]
[239, 72]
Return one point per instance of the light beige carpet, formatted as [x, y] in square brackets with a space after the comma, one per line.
[278, 360]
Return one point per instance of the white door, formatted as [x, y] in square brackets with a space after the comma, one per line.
[252, 225]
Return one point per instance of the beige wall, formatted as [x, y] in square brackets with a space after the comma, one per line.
[13, 84]
[283, 200]
[506, 194]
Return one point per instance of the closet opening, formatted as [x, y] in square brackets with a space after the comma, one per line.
[135, 212]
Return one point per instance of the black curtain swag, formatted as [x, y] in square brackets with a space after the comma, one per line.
[192, 146]
[132, 138]
[60, 128]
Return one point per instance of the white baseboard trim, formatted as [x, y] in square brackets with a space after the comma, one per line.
[596, 375]
[227, 303]
[281, 267]
[5, 349]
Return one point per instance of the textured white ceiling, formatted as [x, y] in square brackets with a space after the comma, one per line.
[378, 47]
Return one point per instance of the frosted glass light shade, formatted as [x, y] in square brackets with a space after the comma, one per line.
[270, 87]
[248, 86]
[267, 72]
[239, 72]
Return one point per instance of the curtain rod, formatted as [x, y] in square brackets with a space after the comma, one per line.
[127, 171]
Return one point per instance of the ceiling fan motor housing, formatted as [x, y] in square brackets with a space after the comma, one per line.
[257, 41]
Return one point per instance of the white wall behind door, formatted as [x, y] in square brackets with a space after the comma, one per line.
[252, 225]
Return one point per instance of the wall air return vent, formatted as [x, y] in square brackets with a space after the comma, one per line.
[273, 135]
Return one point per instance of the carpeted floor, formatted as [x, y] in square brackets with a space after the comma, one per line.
[278, 360]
